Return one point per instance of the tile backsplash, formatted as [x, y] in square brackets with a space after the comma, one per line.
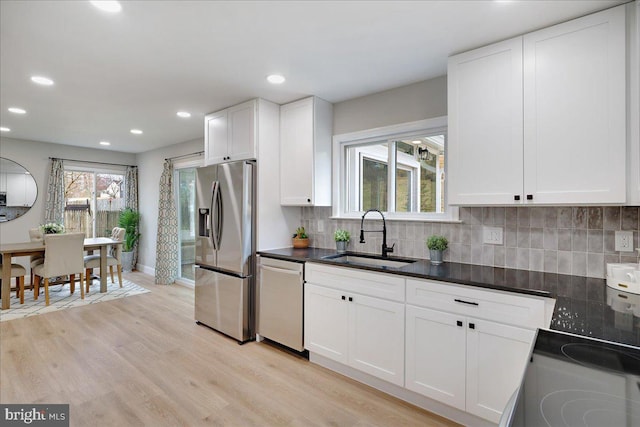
[576, 240]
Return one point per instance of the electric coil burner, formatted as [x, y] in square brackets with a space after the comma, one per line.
[577, 381]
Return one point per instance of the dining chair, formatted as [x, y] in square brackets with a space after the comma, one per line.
[35, 235]
[113, 258]
[63, 255]
[18, 272]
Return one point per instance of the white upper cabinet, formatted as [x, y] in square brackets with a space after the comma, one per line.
[633, 103]
[230, 134]
[305, 152]
[21, 189]
[485, 124]
[540, 119]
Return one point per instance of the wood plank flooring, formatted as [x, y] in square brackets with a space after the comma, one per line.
[143, 361]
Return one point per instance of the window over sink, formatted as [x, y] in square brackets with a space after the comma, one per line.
[399, 170]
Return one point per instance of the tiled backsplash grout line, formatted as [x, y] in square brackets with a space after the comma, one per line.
[567, 240]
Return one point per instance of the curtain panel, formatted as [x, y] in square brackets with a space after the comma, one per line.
[131, 198]
[54, 205]
[167, 244]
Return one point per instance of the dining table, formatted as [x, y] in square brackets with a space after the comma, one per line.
[11, 250]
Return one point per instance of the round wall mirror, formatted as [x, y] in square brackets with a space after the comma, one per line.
[18, 190]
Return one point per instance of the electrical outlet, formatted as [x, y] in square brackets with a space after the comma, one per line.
[492, 235]
[624, 241]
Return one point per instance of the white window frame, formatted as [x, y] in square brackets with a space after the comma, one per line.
[400, 131]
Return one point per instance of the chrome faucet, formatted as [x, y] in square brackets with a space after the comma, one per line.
[385, 249]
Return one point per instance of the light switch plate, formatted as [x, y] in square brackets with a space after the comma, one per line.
[492, 235]
[624, 241]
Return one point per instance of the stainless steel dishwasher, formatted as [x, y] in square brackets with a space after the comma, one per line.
[280, 302]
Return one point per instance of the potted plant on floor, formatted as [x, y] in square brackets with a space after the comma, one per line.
[300, 238]
[342, 238]
[437, 245]
[129, 220]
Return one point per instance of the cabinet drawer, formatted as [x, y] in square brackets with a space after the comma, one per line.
[502, 307]
[379, 285]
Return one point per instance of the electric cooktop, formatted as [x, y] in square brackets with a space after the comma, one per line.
[577, 381]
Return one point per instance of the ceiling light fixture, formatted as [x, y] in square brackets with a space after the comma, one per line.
[110, 6]
[105, 143]
[4, 129]
[416, 142]
[17, 110]
[183, 114]
[136, 131]
[275, 79]
[44, 81]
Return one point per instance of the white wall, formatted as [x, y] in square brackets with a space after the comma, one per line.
[150, 165]
[409, 103]
[34, 156]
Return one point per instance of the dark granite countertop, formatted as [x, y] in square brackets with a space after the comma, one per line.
[584, 306]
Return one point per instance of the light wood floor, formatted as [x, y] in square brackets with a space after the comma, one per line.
[142, 361]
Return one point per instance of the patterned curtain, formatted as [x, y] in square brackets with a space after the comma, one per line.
[131, 198]
[167, 244]
[54, 206]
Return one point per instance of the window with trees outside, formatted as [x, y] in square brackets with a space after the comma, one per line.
[93, 200]
[399, 170]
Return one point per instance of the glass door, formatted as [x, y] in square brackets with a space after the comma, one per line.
[186, 195]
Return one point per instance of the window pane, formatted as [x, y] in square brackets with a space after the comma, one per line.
[78, 195]
[366, 170]
[109, 202]
[374, 185]
[431, 156]
[186, 201]
[406, 168]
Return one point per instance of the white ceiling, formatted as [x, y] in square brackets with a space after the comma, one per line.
[137, 68]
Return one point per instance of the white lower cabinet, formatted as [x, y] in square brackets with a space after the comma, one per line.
[325, 320]
[468, 363]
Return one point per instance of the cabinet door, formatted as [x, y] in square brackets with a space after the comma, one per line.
[242, 129]
[376, 337]
[296, 153]
[574, 111]
[496, 359]
[15, 189]
[325, 322]
[216, 132]
[3, 182]
[484, 148]
[435, 355]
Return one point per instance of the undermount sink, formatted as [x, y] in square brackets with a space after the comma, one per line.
[369, 260]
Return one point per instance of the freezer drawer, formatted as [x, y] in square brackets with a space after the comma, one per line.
[224, 303]
[280, 311]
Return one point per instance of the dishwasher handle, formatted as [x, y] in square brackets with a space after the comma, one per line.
[282, 270]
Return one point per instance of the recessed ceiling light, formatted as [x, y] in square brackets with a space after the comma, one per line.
[136, 131]
[275, 79]
[44, 81]
[416, 142]
[105, 143]
[183, 114]
[4, 129]
[17, 110]
[107, 5]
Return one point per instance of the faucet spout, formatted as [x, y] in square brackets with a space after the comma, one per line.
[385, 249]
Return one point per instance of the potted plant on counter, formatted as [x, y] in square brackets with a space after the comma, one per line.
[300, 238]
[342, 238]
[437, 245]
[129, 220]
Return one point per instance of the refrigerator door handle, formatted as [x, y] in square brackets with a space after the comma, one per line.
[217, 200]
[213, 235]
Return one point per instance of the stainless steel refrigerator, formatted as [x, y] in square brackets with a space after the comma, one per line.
[225, 248]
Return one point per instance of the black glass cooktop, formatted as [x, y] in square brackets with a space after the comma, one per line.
[576, 381]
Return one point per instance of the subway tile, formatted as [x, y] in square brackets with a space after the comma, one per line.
[476, 254]
[537, 217]
[487, 254]
[499, 256]
[609, 241]
[537, 238]
[564, 239]
[611, 259]
[595, 218]
[455, 251]
[612, 218]
[465, 253]
[524, 217]
[465, 234]
[550, 239]
[629, 218]
[595, 241]
[510, 236]
[487, 216]
[595, 265]
[579, 263]
[511, 216]
[536, 260]
[476, 235]
[524, 237]
[565, 217]
[564, 262]
[579, 240]
[550, 261]
[475, 215]
[550, 217]
[523, 258]
[580, 217]
[511, 258]
[499, 216]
